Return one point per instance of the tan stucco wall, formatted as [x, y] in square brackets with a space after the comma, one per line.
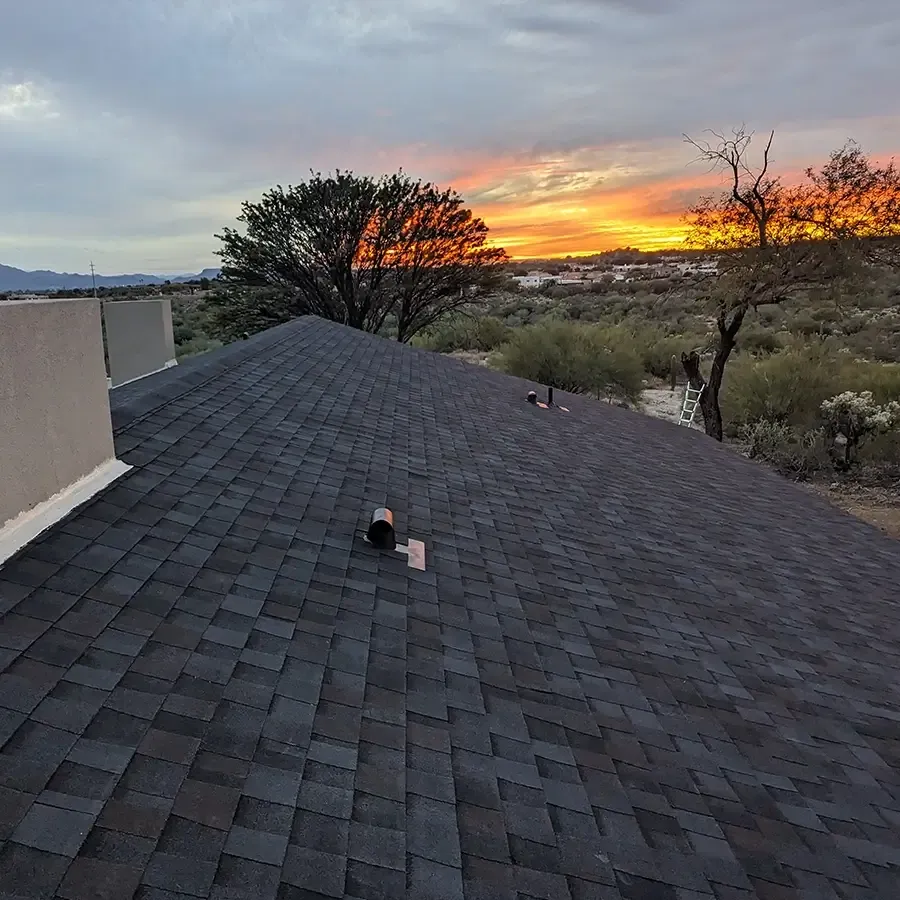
[54, 402]
[139, 337]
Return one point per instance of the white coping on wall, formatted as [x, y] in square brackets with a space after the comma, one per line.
[25, 527]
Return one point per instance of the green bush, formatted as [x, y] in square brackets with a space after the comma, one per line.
[792, 451]
[577, 358]
[463, 332]
[195, 346]
[656, 354]
[758, 340]
[803, 453]
[787, 388]
[804, 324]
[882, 379]
[445, 336]
[853, 418]
[881, 450]
[183, 333]
[488, 333]
[655, 346]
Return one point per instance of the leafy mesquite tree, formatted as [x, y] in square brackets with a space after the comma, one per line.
[777, 241]
[356, 250]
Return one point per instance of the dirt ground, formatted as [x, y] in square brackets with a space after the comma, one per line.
[471, 356]
[665, 404]
[877, 506]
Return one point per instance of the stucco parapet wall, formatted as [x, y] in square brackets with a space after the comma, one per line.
[56, 443]
[139, 338]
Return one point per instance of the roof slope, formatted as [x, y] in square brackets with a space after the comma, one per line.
[637, 666]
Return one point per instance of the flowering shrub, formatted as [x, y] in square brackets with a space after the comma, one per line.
[851, 417]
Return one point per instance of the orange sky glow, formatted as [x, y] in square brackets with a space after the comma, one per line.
[546, 230]
[590, 201]
[552, 209]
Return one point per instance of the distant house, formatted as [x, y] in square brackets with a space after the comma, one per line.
[699, 268]
[535, 280]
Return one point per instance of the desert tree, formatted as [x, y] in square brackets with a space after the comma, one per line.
[777, 241]
[356, 249]
[441, 261]
[236, 311]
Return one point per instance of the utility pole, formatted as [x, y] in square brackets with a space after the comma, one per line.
[93, 280]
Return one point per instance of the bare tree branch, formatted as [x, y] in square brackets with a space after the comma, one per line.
[776, 242]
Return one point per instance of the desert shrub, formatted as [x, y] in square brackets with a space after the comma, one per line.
[545, 354]
[449, 334]
[763, 437]
[804, 324]
[850, 418]
[854, 406]
[879, 341]
[577, 358]
[881, 450]
[854, 324]
[488, 333]
[787, 387]
[183, 333]
[657, 353]
[464, 332]
[882, 379]
[195, 346]
[611, 365]
[828, 314]
[584, 308]
[505, 307]
[758, 340]
[769, 316]
[795, 452]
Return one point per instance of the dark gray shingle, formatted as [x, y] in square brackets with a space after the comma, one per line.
[636, 665]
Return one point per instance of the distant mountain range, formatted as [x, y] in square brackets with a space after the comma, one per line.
[42, 280]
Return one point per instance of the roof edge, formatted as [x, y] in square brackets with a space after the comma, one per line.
[132, 402]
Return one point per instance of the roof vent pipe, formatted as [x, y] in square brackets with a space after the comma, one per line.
[381, 530]
[549, 396]
[532, 397]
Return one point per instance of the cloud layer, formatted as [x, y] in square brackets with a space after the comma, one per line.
[130, 132]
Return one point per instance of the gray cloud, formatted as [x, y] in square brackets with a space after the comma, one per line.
[144, 123]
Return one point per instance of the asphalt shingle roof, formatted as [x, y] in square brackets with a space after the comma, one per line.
[637, 666]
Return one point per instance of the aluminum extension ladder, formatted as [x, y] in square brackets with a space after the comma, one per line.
[689, 405]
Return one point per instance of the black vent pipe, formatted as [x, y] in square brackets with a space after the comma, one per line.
[381, 530]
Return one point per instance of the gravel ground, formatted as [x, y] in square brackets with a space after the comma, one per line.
[662, 403]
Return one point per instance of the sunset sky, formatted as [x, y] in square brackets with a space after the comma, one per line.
[130, 130]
